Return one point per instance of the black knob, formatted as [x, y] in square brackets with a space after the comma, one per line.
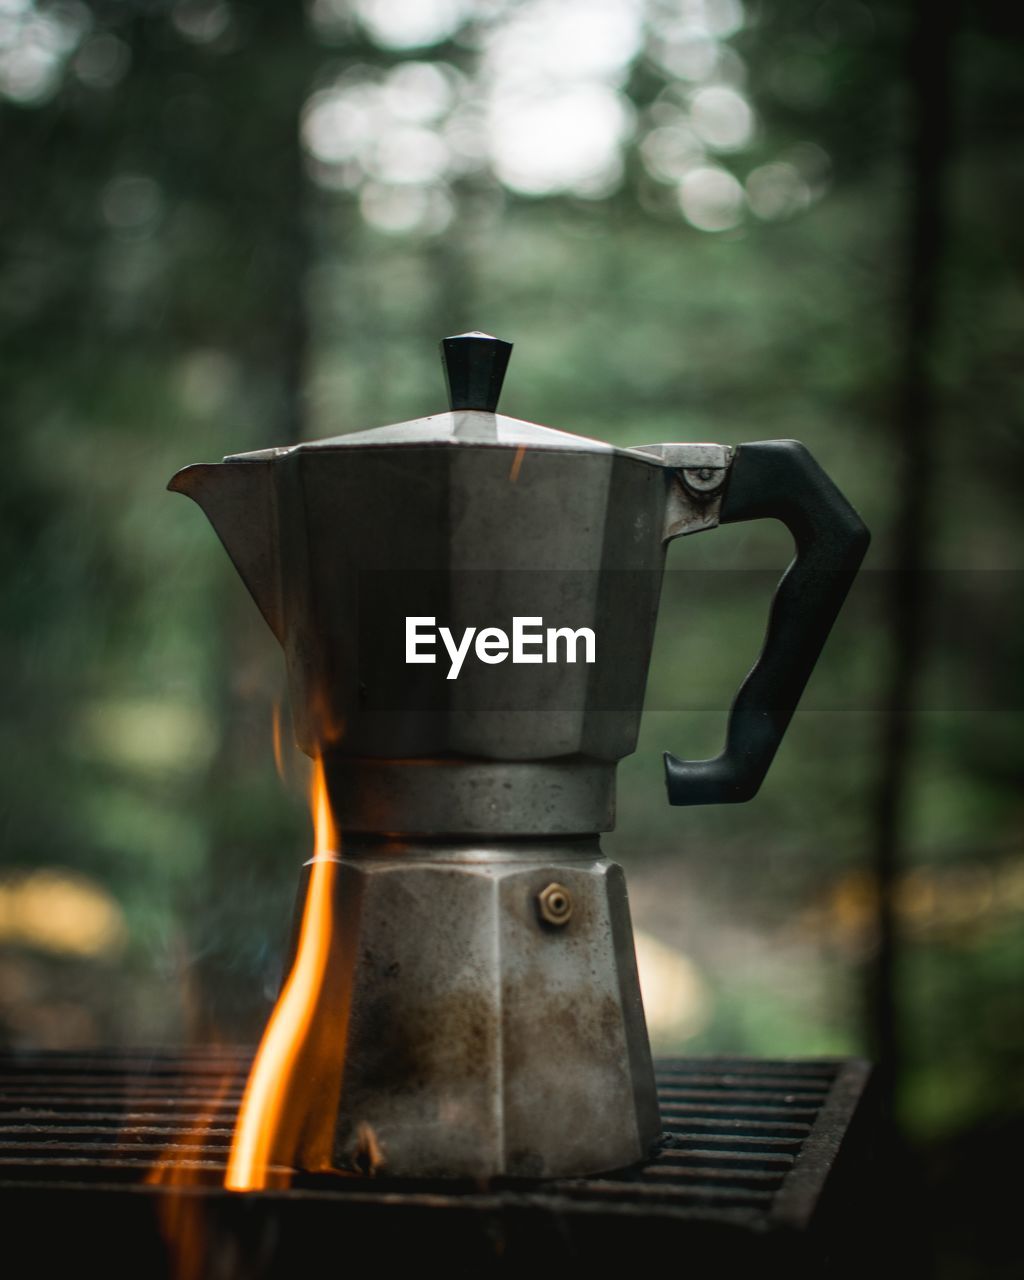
[474, 369]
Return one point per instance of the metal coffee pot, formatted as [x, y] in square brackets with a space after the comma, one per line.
[490, 1007]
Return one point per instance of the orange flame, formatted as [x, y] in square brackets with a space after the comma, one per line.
[277, 741]
[275, 1116]
[517, 462]
[183, 1165]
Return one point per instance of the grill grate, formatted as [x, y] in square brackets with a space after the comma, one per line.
[748, 1151]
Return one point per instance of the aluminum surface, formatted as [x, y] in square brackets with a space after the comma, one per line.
[482, 1039]
[339, 546]
[471, 797]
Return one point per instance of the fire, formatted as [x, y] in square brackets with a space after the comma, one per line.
[180, 1215]
[285, 1106]
[517, 462]
[277, 741]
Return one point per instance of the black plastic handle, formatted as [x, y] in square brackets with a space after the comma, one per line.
[778, 479]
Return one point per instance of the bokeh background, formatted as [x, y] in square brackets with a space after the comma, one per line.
[226, 226]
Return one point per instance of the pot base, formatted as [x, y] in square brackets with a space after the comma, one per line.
[488, 1003]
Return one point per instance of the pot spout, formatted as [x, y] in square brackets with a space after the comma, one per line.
[238, 499]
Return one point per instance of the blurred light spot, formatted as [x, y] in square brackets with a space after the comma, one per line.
[1010, 886]
[777, 191]
[102, 61]
[73, 19]
[544, 108]
[731, 68]
[669, 153]
[375, 135]
[711, 199]
[131, 201]
[419, 92]
[409, 24]
[723, 17]
[201, 21]
[337, 125]
[684, 123]
[465, 135]
[693, 56]
[676, 1002]
[930, 902]
[409, 155]
[968, 897]
[398, 209]
[34, 45]
[689, 18]
[812, 163]
[568, 139]
[722, 118]
[916, 895]
[336, 176]
[60, 912]
[551, 73]
[565, 40]
[146, 735]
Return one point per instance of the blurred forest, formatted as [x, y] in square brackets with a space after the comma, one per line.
[227, 226]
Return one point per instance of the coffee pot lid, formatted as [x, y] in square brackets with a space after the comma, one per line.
[474, 367]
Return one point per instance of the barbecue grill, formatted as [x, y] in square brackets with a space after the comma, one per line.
[759, 1165]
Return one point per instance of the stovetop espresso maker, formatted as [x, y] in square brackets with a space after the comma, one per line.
[467, 606]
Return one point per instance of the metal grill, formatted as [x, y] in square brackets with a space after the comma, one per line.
[748, 1156]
